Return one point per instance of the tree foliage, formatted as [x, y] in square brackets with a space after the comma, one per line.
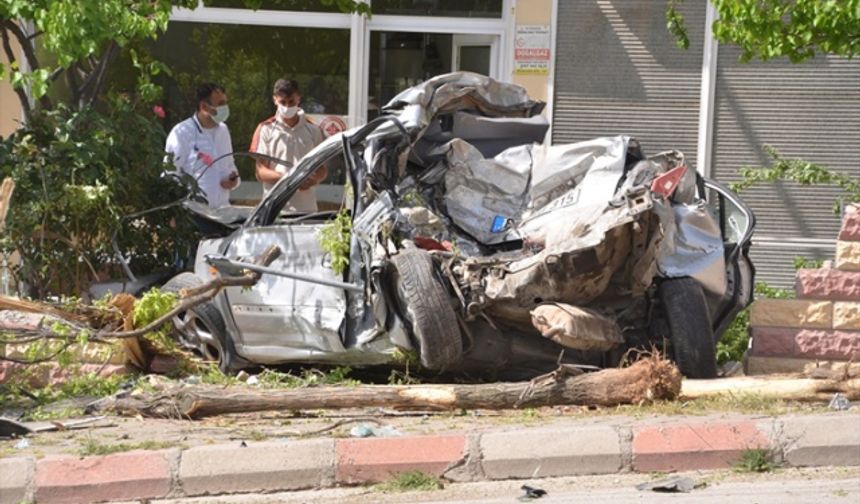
[767, 29]
[77, 172]
[78, 39]
[801, 171]
[87, 156]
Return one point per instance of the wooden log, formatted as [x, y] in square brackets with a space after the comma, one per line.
[772, 387]
[646, 380]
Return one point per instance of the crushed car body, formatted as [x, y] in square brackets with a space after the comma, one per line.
[478, 247]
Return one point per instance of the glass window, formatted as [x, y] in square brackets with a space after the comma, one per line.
[247, 60]
[399, 60]
[292, 5]
[454, 8]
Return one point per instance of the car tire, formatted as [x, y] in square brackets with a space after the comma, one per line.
[426, 305]
[206, 322]
[690, 330]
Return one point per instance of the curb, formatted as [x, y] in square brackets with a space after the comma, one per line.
[534, 452]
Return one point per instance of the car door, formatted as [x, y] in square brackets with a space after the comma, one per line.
[737, 223]
[282, 318]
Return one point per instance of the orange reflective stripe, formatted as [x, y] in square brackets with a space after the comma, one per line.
[256, 138]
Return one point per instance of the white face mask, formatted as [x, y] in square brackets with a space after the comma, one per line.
[222, 112]
[288, 112]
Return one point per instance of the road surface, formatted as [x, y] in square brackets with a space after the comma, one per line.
[790, 486]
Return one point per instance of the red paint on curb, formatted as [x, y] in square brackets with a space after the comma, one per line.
[377, 459]
[710, 445]
[124, 476]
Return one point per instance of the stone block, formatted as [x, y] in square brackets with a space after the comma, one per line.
[378, 459]
[839, 345]
[547, 452]
[805, 343]
[792, 313]
[691, 446]
[772, 341]
[846, 315]
[123, 476]
[90, 353]
[850, 224]
[258, 467]
[15, 476]
[51, 373]
[848, 255]
[822, 440]
[763, 365]
[828, 283]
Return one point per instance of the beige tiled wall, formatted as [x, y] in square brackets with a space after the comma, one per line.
[534, 12]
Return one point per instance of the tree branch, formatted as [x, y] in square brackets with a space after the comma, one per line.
[195, 296]
[101, 72]
[27, 47]
[10, 57]
[73, 83]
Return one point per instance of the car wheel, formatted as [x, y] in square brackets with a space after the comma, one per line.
[201, 329]
[426, 306]
[690, 331]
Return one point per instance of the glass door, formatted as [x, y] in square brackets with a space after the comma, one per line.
[474, 53]
[399, 60]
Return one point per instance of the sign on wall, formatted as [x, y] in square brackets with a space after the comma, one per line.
[531, 50]
[330, 124]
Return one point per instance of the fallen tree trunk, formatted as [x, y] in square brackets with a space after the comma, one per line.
[646, 380]
[786, 389]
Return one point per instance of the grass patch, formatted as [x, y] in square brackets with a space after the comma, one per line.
[35, 402]
[94, 447]
[272, 378]
[738, 403]
[411, 481]
[755, 461]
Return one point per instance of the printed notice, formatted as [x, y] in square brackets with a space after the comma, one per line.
[531, 50]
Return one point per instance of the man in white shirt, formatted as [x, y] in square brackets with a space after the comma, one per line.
[288, 136]
[194, 144]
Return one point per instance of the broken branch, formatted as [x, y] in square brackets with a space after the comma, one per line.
[199, 296]
[786, 389]
[646, 380]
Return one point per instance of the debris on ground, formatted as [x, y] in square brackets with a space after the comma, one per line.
[364, 430]
[531, 493]
[839, 402]
[673, 484]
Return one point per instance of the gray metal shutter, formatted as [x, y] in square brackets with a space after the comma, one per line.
[810, 111]
[618, 71]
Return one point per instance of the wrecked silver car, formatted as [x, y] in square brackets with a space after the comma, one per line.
[480, 249]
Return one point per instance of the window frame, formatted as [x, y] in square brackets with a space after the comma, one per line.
[360, 28]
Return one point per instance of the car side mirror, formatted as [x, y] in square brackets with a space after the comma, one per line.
[225, 267]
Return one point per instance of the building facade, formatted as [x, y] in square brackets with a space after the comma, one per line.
[604, 67]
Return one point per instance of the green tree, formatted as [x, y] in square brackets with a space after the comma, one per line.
[794, 29]
[89, 155]
[767, 29]
[78, 39]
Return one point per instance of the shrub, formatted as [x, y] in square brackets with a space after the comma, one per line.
[77, 173]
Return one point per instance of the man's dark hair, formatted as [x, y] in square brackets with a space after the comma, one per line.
[285, 88]
[205, 90]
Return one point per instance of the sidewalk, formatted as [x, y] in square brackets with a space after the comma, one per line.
[579, 448]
